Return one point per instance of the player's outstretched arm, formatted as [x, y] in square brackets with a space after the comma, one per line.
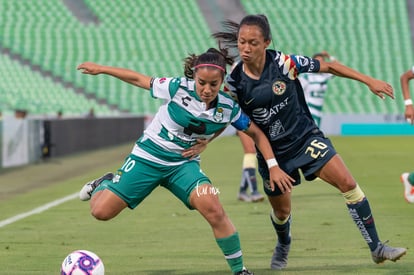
[404, 81]
[126, 75]
[378, 87]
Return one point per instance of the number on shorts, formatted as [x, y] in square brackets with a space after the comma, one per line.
[128, 165]
[315, 149]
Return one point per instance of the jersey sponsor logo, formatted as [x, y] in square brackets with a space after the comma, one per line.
[276, 129]
[261, 116]
[195, 126]
[279, 87]
[218, 116]
[278, 107]
[248, 101]
[184, 100]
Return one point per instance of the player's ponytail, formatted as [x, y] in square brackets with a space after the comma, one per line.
[231, 29]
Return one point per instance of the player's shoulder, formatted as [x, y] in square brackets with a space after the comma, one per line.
[276, 55]
[182, 82]
[226, 97]
[169, 81]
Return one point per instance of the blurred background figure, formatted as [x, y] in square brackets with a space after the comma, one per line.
[408, 178]
[248, 180]
[315, 86]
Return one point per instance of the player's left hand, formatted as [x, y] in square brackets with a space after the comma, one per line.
[381, 88]
[409, 114]
[196, 149]
[279, 177]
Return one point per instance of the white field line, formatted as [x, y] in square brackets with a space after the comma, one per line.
[38, 210]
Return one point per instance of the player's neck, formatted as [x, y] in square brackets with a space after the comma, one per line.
[254, 70]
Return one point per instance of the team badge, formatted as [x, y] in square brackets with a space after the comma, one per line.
[218, 116]
[279, 87]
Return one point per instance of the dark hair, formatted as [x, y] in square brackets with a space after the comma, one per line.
[231, 29]
[219, 58]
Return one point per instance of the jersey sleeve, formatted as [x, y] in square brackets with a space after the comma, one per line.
[231, 93]
[293, 65]
[164, 88]
[229, 88]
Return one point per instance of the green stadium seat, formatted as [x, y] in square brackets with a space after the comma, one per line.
[153, 39]
[370, 36]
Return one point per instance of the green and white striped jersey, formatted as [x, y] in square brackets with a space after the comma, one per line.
[314, 87]
[183, 119]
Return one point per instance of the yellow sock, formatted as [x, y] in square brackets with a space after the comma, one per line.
[249, 160]
[354, 196]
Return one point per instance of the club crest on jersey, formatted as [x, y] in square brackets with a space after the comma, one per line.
[218, 116]
[279, 87]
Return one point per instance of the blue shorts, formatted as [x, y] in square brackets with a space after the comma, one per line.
[313, 154]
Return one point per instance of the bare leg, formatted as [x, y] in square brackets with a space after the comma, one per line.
[105, 205]
[211, 209]
[336, 173]
[249, 170]
[224, 231]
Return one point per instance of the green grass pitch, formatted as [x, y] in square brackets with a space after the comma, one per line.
[162, 237]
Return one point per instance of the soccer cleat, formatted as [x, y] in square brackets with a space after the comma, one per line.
[256, 197]
[85, 193]
[244, 272]
[408, 188]
[244, 197]
[384, 252]
[280, 256]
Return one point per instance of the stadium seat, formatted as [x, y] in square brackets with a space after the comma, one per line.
[154, 38]
[370, 36]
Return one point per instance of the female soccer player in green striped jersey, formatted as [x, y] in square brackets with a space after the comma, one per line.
[167, 154]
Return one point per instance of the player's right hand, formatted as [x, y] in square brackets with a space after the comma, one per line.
[89, 68]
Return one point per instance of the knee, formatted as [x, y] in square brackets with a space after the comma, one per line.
[101, 214]
[214, 214]
[282, 213]
[347, 184]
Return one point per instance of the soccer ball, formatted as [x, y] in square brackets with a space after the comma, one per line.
[82, 262]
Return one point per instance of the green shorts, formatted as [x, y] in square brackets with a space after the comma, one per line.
[138, 177]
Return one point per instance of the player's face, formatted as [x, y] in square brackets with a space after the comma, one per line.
[251, 44]
[208, 82]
